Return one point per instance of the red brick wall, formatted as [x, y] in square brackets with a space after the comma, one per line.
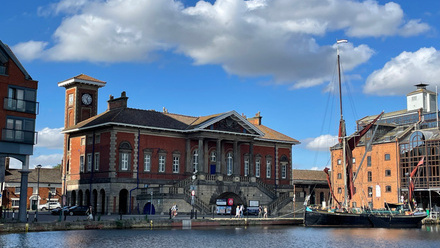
[377, 168]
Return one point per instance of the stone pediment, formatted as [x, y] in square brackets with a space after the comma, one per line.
[230, 122]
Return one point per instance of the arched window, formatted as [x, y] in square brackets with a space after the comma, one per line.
[195, 160]
[268, 166]
[257, 166]
[124, 156]
[229, 163]
[246, 165]
[213, 156]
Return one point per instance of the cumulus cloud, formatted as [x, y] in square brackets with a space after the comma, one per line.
[51, 138]
[247, 38]
[321, 143]
[401, 73]
[30, 50]
[46, 161]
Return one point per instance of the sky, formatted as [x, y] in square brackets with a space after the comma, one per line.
[197, 58]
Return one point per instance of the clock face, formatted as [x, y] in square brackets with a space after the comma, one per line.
[86, 99]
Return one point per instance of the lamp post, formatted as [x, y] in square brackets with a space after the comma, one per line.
[38, 191]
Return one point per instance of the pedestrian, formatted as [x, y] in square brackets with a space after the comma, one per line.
[237, 211]
[89, 213]
[241, 211]
[265, 212]
[173, 211]
[260, 211]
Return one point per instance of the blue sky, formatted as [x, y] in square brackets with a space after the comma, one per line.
[204, 57]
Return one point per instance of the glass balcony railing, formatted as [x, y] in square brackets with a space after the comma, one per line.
[21, 106]
[19, 136]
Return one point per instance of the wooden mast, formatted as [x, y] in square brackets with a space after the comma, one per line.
[342, 132]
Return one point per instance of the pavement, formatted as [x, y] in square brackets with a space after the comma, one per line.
[45, 216]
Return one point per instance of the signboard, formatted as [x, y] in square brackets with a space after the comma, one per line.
[254, 203]
[221, 202]
[230, 201]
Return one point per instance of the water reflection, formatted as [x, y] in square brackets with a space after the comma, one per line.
[273, 236]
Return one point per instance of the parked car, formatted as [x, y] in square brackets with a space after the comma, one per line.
[49, 205]
[58, 210]
[78, 210]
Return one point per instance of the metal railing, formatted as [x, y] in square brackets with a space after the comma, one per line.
[21, 105]
[19, 136]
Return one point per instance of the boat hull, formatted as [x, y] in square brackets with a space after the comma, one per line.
[316, 218]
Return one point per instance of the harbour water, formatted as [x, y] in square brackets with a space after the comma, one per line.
[268, 236]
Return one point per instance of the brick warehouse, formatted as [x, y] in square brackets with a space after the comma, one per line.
[402, 138]
[128, 160]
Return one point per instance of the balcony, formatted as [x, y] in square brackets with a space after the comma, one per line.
[19, 136]
[21, 105]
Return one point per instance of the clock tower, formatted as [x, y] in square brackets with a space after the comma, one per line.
[81, 100]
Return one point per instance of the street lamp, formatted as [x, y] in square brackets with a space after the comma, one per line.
[38, 191]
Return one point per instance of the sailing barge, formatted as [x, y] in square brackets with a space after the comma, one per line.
[346, 217]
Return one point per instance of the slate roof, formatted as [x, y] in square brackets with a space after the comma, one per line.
[271, 134]
[47, 175]
[133, 117]
[151, 119]
[312, 175]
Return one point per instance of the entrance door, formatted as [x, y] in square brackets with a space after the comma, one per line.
[149, 209]
[34, 204]
[212, 169]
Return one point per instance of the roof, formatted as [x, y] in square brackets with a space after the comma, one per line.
[151, 119]
[270, 134]
[8, 52]
[317, 175]
[47, 175]
[81, 78]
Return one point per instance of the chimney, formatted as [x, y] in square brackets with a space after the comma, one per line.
[117, 103]
[256, 120]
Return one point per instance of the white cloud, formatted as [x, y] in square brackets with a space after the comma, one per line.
[401, 73]
[51, 138]
[47, 161]
[247, 38]
[29, 50]
[321, 143]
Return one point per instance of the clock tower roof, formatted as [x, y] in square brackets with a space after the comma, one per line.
[83, 79]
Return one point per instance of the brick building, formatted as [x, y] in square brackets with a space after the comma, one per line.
[41, 188]
[128, 160]
[402, 138]
[18, 110]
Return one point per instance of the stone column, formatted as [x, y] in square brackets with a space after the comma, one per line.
[23, 191]
[201, 156]
[277, 169]
[218, 163]
[236, 169]
[251, 159]
[188, 166]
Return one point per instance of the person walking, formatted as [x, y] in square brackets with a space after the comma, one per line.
[241, 211]
[237, 211]
[89, 213]
[260, 211]
[265, 212]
